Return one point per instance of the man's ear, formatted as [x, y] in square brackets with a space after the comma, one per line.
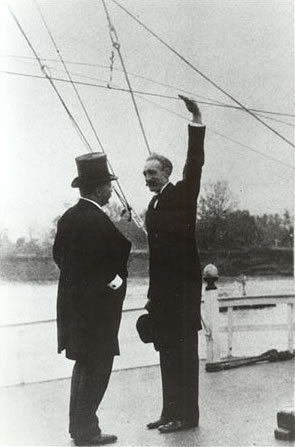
[167, 173]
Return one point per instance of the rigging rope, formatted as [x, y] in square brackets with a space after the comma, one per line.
[69, 75]
[87, 64]
[222, 135]
[213, 103]
[138, 220]
[121, 196]
[201, 73]
[112, 61]
[116, 45]
[123, 199]
[43, 69]
[160, 106]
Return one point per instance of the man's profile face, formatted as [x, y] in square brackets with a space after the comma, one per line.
[155, 176]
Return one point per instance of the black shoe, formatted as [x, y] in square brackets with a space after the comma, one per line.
[178, 425]
[96, 440]
[157, 423]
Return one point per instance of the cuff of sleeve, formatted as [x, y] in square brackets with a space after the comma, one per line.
[192, 124]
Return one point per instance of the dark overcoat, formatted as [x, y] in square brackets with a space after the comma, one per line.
[89, 251]
[175, 272]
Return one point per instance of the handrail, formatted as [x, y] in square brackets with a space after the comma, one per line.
[256, 300]
[213, 303]
[211, 298]
[223, 302]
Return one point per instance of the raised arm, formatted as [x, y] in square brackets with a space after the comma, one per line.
[192, 107]
[195, 154]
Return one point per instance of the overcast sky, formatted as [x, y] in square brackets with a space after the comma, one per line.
[246, 47]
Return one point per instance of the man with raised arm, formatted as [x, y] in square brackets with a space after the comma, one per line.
[174, 294]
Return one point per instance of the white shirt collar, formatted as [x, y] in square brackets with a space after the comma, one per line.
[94, 203]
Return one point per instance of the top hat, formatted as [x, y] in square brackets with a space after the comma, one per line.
[92, 170]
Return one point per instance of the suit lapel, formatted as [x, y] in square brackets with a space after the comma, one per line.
[157, 198]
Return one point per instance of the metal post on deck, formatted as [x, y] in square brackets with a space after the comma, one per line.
[230, 331]
[210, 276]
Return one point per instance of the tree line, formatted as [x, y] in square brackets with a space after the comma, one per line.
[221, 225]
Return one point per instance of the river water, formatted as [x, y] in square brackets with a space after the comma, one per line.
[27, 302]
[28, 329]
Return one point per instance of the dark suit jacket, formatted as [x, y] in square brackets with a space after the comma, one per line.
[90, 251]
[175, 273]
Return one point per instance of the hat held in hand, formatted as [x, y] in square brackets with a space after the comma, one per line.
[144, 328]
[92, 170]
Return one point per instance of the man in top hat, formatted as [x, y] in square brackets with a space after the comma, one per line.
[92, 257]
[175, 278]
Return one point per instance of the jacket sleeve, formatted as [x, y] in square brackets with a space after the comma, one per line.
[193, 166]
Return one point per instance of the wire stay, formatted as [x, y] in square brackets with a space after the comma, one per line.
[210, 102]
[68, 74]
[88, 64]
[123, 198]
[43, 69]
[221, 135]
[159, 106]
[202, 74]
[115, 42]
[116, 45]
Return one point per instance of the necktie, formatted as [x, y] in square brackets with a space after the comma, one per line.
[154, 201]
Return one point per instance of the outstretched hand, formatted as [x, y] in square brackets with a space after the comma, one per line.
[192, 107]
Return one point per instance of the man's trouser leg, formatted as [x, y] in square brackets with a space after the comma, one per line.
[180, 380]
[171, 379]
[88, 385]
[190, 380]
